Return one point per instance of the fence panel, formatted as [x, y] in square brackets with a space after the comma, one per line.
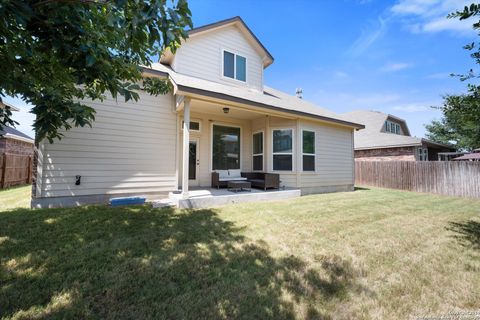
[455, 178]
[15, 170]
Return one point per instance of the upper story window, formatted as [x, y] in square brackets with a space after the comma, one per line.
[392, 127]
[234, 66]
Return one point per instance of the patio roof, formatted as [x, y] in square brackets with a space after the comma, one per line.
[270, 98]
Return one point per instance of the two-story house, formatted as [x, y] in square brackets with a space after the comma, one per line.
[387, 137]
[220, 116]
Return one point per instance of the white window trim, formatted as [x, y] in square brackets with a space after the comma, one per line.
[284, 153]
[223, 124]
[263, 150]
[192, 120]
[391, 127]
[421, 153]
[314, 154]
[235, 53]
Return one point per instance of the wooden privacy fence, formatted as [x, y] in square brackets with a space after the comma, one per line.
[454, 178]
[15, 170]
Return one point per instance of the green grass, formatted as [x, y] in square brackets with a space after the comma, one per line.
[369, 254]
[18, 197]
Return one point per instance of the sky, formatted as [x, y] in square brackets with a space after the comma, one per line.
[390, 56]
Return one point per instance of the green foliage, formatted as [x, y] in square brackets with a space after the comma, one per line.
[461, 113]
[460, 122]
[54, 54]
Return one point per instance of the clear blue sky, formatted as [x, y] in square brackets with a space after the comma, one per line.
[391, 56]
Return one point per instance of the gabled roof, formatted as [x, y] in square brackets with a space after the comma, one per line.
[4, 104]
[372, 136]
[235, 21]
[268, 99]
[8, 132]
[469, 156]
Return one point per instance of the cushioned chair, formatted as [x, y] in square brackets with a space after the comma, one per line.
[220, 178]
[263, 180]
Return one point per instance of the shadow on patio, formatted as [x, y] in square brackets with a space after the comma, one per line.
[144, 263]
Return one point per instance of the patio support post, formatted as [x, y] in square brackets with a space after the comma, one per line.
[186, 143]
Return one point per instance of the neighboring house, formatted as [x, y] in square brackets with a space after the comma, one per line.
[16, 155]
[235, 122]
[387, 137]
[13, 141]
[473, 156]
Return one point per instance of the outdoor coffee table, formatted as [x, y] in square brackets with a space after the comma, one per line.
[236, 186]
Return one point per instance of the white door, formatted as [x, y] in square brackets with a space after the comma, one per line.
[193, 162]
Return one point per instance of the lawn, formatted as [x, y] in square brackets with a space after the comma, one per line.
[368, 254]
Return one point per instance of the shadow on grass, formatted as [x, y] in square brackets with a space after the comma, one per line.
[360, 188]
[139, 262]
[467, 233]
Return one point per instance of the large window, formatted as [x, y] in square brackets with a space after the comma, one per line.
[282, 149]
[258, 151]
[225, 148]
[308, 150]
[234, 66]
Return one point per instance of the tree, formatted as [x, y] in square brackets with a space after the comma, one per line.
[461, 113]
[56, 53]
[460, 122]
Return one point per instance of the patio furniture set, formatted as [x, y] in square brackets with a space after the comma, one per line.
[236, 181]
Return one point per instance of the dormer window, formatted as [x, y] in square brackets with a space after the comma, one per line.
[392, 127]
[234, 66]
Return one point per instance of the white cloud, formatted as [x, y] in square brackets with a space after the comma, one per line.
[430, 16]
[438, 76]
[375, 99]
[340, 75]
[392, 67]
[368, 37]
[413, 107]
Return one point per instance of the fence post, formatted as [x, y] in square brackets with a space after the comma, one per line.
[29, 175]
[4, 171]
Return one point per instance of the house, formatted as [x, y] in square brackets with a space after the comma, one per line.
[16, 155]
[220, 116]
[472, 156]
[13, 141]
[387, 137]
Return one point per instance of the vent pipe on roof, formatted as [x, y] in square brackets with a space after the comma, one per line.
[299, 93]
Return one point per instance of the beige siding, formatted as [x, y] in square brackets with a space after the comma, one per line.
[128, 150]
[201, 56]
[334, 156]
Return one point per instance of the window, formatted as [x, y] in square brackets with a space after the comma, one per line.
[392, 127]
[225, 147]
[282, 149]
[258, 151]
[194, 126]
[422, 154]
[308, 150]
[234, 66]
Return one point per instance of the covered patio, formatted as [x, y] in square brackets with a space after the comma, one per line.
[212, 197]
